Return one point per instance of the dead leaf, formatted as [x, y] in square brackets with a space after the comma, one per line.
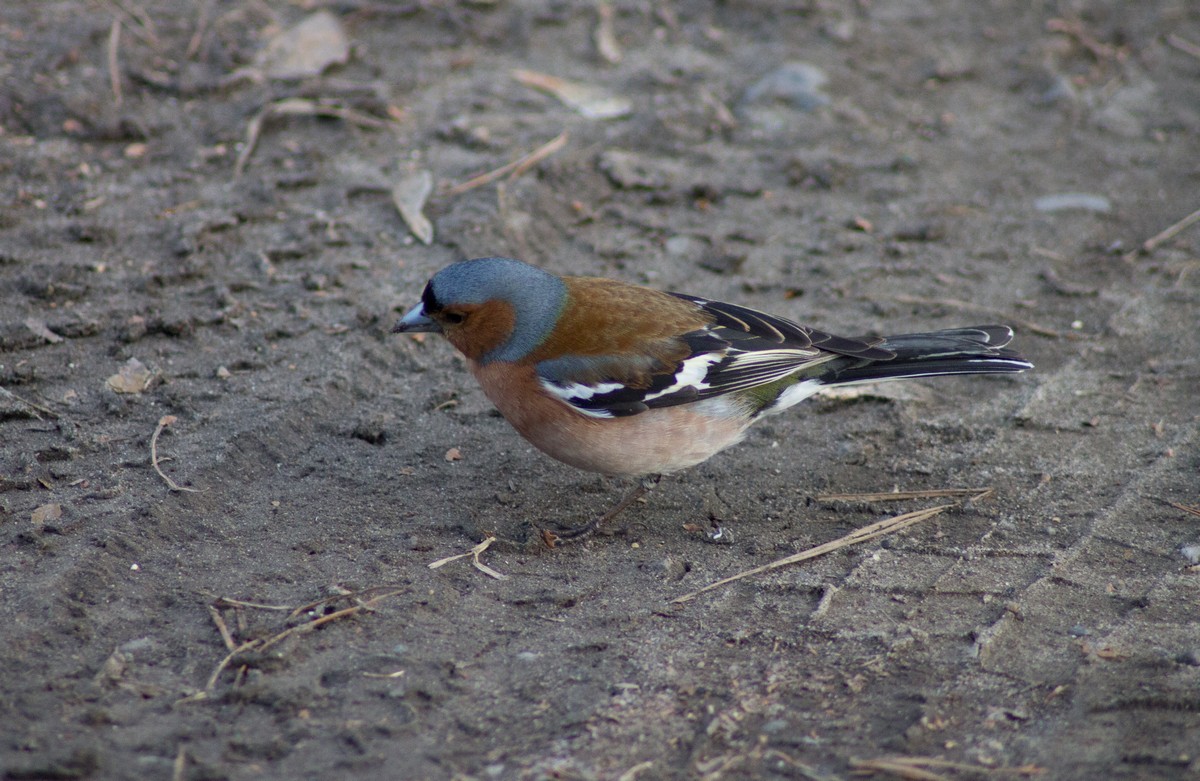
[454, 454]
[409, 195]
[46, 513]
[133, 377]
[590, 101]
[305, 49]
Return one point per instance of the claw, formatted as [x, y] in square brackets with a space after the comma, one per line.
[579, 532]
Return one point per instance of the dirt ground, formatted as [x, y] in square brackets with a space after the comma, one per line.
[858, 166]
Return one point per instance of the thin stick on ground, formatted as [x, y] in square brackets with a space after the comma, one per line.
[303, 108]
[1166, 234]
[179, 767]
[7, 394]
[336, 615]
[197, 39]
[1184, 45]
[139, 23]
[163, 422]
[262, 644]
[357, 596]
[516, 168]
[865, 534]
[216, 673]
[1187, 508]
[633, 772]
[906, 772]
[474, 554]
[228, 602]
[966, 306]
[310, 626]
[222, 627]
[973, 494]
[912, 768]
[114, 68]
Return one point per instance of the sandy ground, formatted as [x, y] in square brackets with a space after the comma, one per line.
[861, 167]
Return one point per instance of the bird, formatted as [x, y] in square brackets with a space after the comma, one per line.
[629, 381]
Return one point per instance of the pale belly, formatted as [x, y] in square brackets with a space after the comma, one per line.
[658, 441]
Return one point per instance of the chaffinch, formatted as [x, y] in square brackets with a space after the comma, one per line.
[628, 381]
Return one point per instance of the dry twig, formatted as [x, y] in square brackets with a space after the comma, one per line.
[138, 22]
[222, 627]
[262, 644]
[376, 592]
[5, 393]
[197, 39]
[635, 771]
[474, 554]
[216, 674]
[179, 768]
[912, 768]
[1184, 45]
[228, 602]
[604, 37]
[1186, 508]
[1075, 28]
[1166, 234]
[865, 534]
[895, 496]
[298, 107]
[515, 169]
[163, 422]
[114, 68]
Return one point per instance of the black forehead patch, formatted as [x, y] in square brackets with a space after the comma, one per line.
[429, 301]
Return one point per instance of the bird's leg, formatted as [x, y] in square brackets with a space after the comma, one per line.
[643, 486]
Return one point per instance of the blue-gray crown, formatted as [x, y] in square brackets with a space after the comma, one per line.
[537, 298]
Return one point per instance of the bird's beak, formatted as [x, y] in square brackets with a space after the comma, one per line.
[416, 322]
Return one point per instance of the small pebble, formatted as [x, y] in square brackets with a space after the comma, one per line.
[682, 245]
[1190, 658]
[795, 83]
[1056, 89]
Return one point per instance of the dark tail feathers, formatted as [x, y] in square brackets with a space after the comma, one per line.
[976, 350]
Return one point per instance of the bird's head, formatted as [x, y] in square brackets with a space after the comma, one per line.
[491, 309]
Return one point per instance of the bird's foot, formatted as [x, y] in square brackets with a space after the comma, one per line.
[552, 538]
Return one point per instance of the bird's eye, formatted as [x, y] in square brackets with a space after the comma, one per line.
[453, 318]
